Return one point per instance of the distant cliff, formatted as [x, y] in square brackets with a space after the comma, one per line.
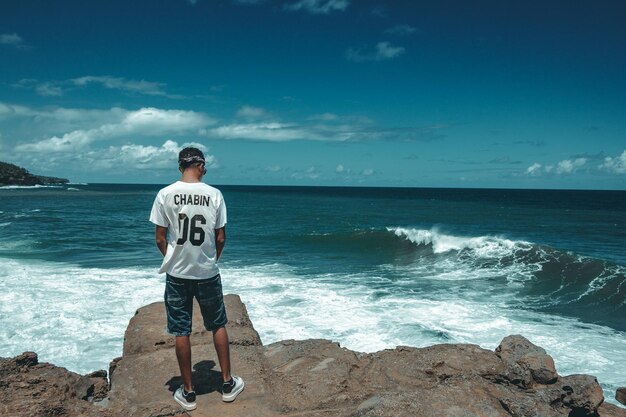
[13, 175]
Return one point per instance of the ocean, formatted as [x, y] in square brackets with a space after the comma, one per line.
[370, 268]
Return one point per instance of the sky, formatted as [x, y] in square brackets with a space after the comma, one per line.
[496, 94]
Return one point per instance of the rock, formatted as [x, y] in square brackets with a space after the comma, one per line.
[301, 368]
[610, 410]
[306, 378]
[143, 336]
[112, 366]
[30, 388]
[583, 394]
[27, 359]
[620, 395]
[100, 388]
[148, 374]
[97, 374]
[525, 362]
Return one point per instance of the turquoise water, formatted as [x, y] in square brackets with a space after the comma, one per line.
[370, 268]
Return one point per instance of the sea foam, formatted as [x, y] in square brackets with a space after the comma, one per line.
[76, 317]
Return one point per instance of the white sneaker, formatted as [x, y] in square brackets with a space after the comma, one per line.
[187, 400]
[231, 390]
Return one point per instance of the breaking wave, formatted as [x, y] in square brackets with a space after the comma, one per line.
[544, 278]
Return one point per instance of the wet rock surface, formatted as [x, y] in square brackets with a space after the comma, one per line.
[303, 378]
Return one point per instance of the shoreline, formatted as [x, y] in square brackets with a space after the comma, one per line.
[317, 377]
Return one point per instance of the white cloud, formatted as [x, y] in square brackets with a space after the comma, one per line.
[616, 165]
[382, 52]
[124, 159]
[50, 121]
[58, 88]
[10, 39]
[66, 128]
[350, 175]
[341, 130]
[566, 166]
[401, 30]
[310, 173]
[14, 110]
[251, 112]
[274, 168]
[271, 131]
[534, 169]
[118, 83]
[49, 90]
[569, 166]
[379, 11]
[326, 117]
[13, 39]
[150, 157]
[147, 121]
[318, 6]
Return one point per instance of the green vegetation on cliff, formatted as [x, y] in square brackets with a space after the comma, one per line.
[13, 175]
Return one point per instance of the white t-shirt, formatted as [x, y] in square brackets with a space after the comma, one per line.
[191, 212]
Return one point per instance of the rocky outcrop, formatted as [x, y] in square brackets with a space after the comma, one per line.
[620, 395]
[13, 175]
[30, 388]
[525, 363]
[306, 378]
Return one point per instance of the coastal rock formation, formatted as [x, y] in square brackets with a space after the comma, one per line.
[30, 388]
[305, 378]
[13, 175]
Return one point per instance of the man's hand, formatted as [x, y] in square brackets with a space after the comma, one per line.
[220, 240]
[161, 238]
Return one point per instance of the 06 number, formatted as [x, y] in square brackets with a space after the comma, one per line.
[190, 229]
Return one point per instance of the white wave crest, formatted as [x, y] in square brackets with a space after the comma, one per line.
[28, 187]
[483, 246]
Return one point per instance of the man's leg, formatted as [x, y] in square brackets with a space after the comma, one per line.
[183, 354]
[232, 385]
[220, 341]
[179, 308]
[211, 300]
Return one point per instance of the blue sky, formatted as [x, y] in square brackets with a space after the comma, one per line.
[318, 92]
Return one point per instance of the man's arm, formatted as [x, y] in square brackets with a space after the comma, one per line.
[220, 240]
[161, 238]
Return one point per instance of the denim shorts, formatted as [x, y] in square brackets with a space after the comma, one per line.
[179, 294]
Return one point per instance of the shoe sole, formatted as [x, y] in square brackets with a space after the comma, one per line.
[229, 398]
[186, 407]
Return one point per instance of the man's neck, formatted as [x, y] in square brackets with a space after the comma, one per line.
[190, 177]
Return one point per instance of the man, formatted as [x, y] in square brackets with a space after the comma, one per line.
[190, 219]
